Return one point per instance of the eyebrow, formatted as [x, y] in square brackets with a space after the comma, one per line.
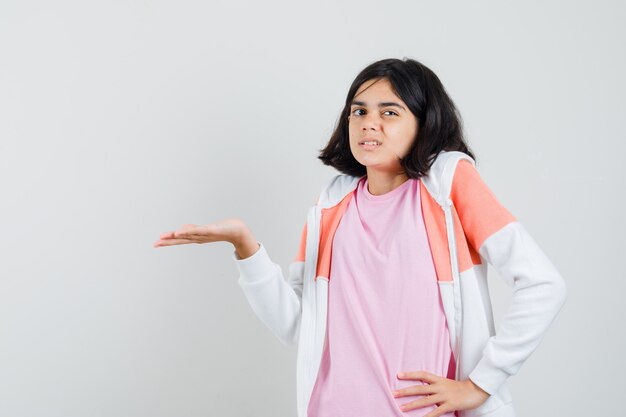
[382, 104]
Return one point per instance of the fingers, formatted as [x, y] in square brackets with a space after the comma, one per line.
[185, 230]
[188, 233]
[174, 235]
[171, 242]
[423, 402]
[420, 375]
[191, 237]
[441, 410]
[191, 231]
[414, 390]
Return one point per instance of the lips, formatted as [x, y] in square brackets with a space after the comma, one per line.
[370, 142]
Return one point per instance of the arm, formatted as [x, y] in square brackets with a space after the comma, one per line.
[276, 301]
[539, 291]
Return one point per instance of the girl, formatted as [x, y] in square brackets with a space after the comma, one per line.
[387, 297]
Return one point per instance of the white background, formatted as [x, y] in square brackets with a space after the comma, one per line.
[121, 120]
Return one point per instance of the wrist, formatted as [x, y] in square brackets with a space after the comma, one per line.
[246, 245]
[476, 387]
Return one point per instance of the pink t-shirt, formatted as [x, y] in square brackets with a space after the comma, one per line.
[384, 309]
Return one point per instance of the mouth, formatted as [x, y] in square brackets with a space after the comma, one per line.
[370, 143]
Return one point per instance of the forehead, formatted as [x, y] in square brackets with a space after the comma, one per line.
[379, 87]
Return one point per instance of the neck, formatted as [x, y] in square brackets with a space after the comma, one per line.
[379, 183]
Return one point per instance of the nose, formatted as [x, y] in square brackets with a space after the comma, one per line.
[370, 121]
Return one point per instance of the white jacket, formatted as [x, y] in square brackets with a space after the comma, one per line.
[466, 226]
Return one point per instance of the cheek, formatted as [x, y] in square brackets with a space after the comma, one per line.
[353, 135]
[408, 134]
[352, 128]
[404, 140]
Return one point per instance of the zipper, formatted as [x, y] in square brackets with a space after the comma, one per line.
[458, 309]
[313, 246]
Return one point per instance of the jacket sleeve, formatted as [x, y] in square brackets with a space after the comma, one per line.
[276, 301]
[539, 291]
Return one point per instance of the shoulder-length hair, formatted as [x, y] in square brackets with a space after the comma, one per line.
[440, 126]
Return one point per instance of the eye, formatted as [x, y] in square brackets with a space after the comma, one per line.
[386, 111]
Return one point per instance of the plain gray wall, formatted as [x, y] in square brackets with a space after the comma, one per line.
[121, 120]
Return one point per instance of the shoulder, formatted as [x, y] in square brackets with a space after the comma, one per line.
[438, 180]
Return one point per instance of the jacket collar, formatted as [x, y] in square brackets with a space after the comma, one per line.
[335, 190]
[435, 180]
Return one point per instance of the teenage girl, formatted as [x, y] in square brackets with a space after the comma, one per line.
[397, 117]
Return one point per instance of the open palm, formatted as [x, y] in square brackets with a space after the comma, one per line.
[228, 230]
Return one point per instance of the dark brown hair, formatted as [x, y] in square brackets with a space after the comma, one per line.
[440, 126]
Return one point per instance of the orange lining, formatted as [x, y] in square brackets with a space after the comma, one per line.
[330, 220]
[478, 208]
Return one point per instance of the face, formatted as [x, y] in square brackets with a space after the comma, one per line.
[378, 114]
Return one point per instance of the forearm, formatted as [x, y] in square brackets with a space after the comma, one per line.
[276, 301]
[538, 294]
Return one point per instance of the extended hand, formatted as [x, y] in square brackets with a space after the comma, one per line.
[448, 394]
[229, 230]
